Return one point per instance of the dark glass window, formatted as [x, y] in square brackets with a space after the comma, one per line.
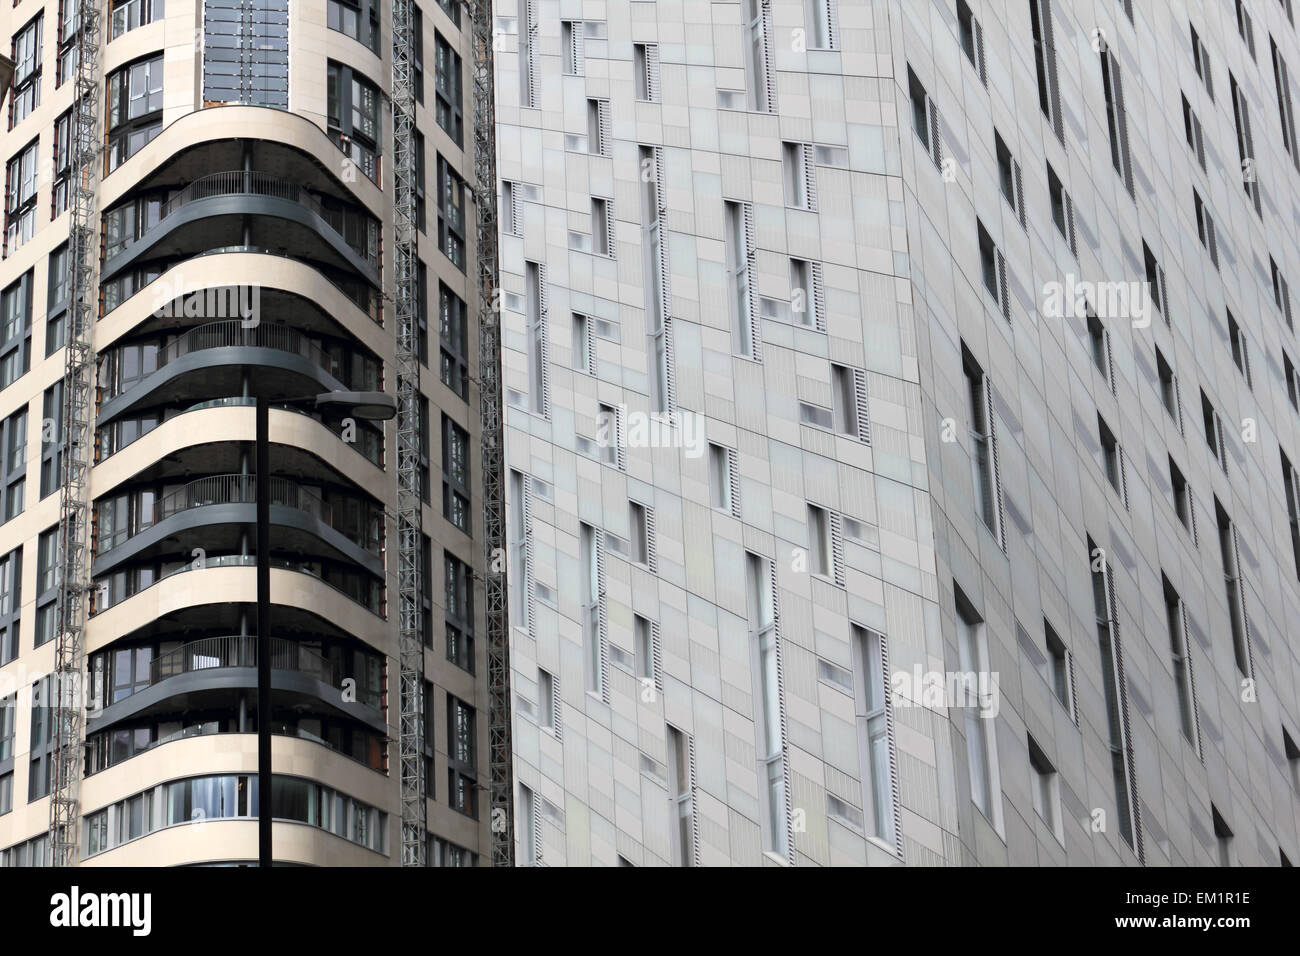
[26, 54]
[20, 197]
[134, 108]
[447, 88]
[15, 330]
[353, 116]
[453, 338]
[246, 52]
[451, 213]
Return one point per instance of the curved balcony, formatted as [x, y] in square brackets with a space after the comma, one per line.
[222, 202]
[211, 665]
[212, 359]
[306, 520]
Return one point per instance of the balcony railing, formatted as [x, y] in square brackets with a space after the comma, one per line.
[231, 333]
[242, 489]
[240, 182]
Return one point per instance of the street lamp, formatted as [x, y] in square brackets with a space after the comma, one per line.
[369, 406]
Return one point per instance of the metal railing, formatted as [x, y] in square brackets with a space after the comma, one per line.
[240, 182]
[230, 333]
[240, 650]
[242, 489]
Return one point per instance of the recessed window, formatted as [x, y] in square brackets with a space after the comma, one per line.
[820, 559]
[1046, 789]
[1049, 97]
[1182, 665]
[1236, 595]
[1237, 340]
[1201, 60]
[1182, 494]
[639, 545]
[1222, 832]
[231, 75]
[797, 168]
[1058, 667]
[1168, 388]
[1112, 458]
[546, 699]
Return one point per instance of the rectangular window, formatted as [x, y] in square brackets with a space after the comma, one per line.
[993, 269]
[981, 741]
[353, 116]
[134, 103]
[52, 439]
[462, 757]
[871, 687]
[1046, 790]
[821, 18]
[602, 227]
[1235, 592]
[1285, 108]
[1214, 431]
[1222, 832]
[13, 469]
[16, 329]
[645, 638]
[1194, 133]
[571, 47]
[20, 197]
[645, 71]
[1281, 291]
[1010, 180]
[449, 100]
[1112, 459]
[1169, 389]
[59, 191]
[1245, 27]
[358, 19]
[1201, 59]
[453, 341]
[1182, 495]
[1205, 228]
[538, 346]
[592, 594]
[519, 532]
[798, 170]
[740, 262]
[584, 345]
[760, 77]
[765, 641]
[1245, 144]
[1155, 279]
[849, 402]
[530, 826]
[641, 542]
[1291, 492]
[458, 598]
[546, 706]
[8, 725]
[1062, 209]
[925, 118]
[1116, 695]
[1060, 668]
[455, 475]
[820, 559]
[1292, 381]
[1049, 94]
[988, 494]
[528, 38]
[1099, 347]
[451, 213]
[680, 795]
[657, 270]
[1237, 340]
[246, 53]
[972, 39]
[26, 54]
[11, 579]
[1116, 118]
[69, 40]
[1184, 685]
[598, 131]
[42, 739]
[723, 479]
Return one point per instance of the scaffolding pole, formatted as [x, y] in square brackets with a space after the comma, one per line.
[490, 412]
[67, 685]
[407, 362]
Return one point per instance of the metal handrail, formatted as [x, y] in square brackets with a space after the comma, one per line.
[232, 333]
[240, 489]
[240, 650]
[251, 182]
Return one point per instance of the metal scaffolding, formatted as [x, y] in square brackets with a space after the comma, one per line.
[407, 362]
[490, 412]
[67, 686]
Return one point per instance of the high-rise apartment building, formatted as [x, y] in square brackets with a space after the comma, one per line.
[242, 228]
[901, 408]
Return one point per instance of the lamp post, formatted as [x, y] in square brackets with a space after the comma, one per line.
[370, 406]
